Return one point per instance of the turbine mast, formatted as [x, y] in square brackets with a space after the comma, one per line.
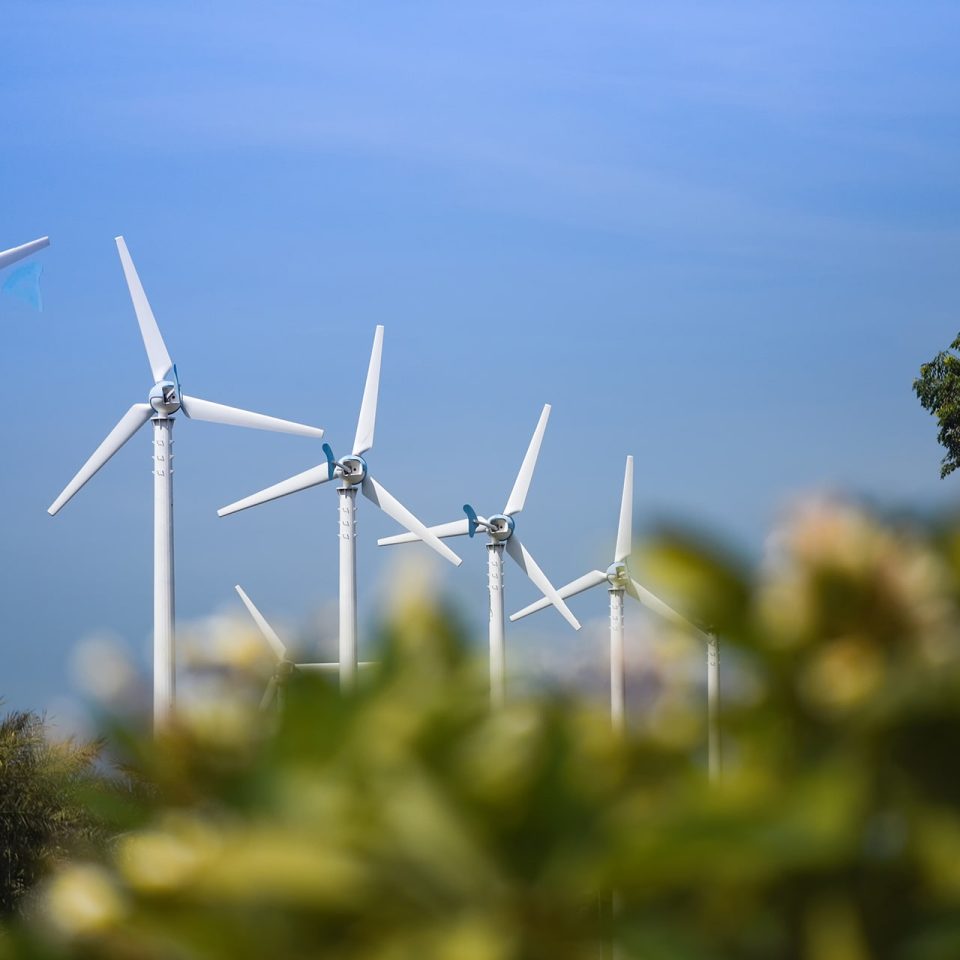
[618, 685]
[164, 667]
[713, 705]
[498, 682]
[348, 586]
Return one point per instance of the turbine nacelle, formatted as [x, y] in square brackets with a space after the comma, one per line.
[617, 574]
[165, 397]
[500, 527]
[284, 670]
[353, 470]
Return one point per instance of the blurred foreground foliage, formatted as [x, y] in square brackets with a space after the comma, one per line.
[409, 822]
[43, 810]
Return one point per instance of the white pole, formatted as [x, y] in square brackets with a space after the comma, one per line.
[348, 586]
[497, 649]
[618, 689]
[713, 705]
[163, 593]
[618, 696]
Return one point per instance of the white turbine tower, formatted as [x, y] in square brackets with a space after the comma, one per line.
[164, 400]
[15, 254]
[500, 529]
[353, 473]
[285, 666]
[619, 581]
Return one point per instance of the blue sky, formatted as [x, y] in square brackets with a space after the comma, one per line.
[721, 238]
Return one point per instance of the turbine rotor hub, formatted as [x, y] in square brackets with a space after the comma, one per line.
[353, 470]
[165, 398]
[500, 527]
[285, 670]
[617, 574]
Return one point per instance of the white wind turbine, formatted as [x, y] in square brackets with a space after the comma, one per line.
[353, 473]
[285, 667]
[500, 529]
[15, 254]
[619, 581]
[164, 400]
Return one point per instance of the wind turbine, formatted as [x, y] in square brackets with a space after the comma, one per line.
[285, 666]
[500, 529]
[619, 582]
[164, 400]
[353, 473]
[15, 254]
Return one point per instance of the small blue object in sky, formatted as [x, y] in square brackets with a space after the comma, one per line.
[24, 283]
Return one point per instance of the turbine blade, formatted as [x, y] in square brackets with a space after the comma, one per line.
[129, 424]
[625, 529]
[644, 596]
[588, 580]
[529, 566]
[302, 481]
[15, 254]
[269, 693]
[270, 635]
[456, 528]
[378, 494]
[518, 495]
[198, 409]
[160, 362]
[330, 667]
[368, 408]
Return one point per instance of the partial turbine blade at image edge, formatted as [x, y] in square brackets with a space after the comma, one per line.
[456, 528]
[625, 527]
[518, 495]
[521, 555]
[270, 635]
[367, 421]
[378, 494]
[302, 481]
[160, 362]
[129, 424]
[588, 580]
[16, 254]
[197, 409]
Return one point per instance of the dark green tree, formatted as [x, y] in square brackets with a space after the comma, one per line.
[938, 389]
[42, 808]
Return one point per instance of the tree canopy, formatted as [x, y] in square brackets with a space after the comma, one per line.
[938, 389]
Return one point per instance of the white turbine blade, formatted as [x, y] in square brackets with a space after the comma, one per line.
[260, 620]
[529, 566]
[456, 528]
[376, 493]
[518, 494]
[302, 481]
[625, 530]
[129, 424]
[368, 408]
[588, 580]
[330, 667]
[198, 409]
[160, 362]
[14, 254]
[269, 693]
[644, 596]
